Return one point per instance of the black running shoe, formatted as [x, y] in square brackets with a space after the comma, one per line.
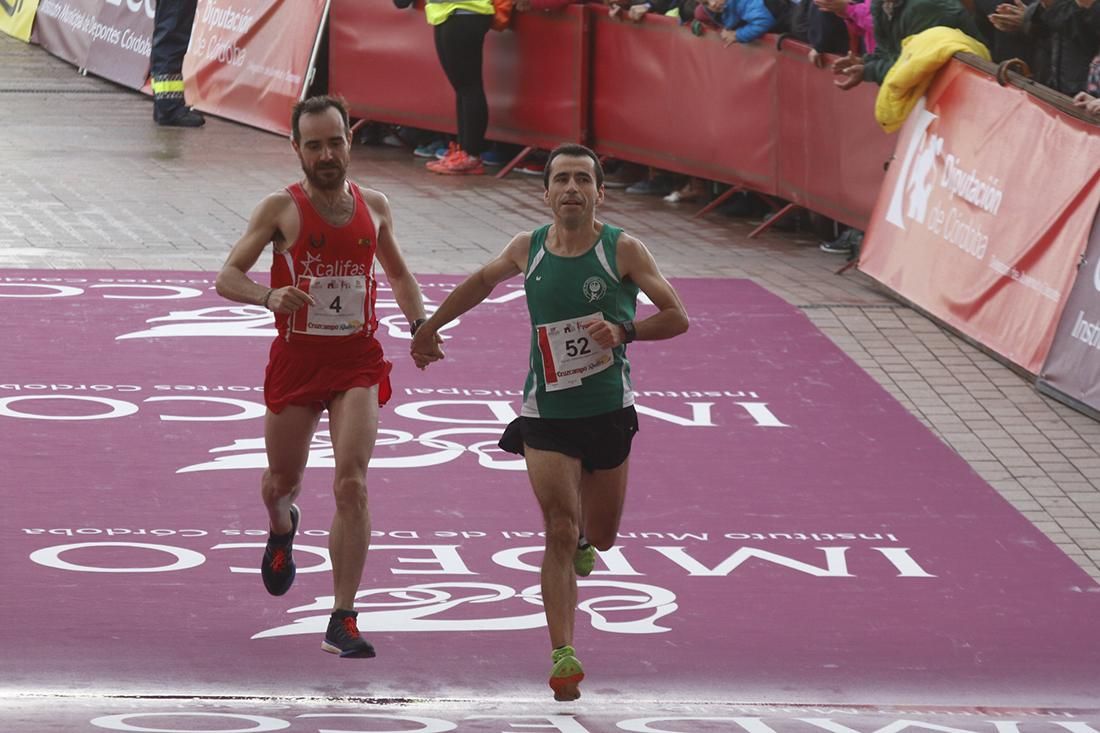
[277, 567]
[343, 637]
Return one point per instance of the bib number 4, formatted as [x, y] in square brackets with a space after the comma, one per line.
[341, 309]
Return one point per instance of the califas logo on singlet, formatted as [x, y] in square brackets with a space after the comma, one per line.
[594, 288]
[314, 266]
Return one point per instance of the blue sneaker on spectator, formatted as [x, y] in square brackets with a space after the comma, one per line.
[657, 186]
[434, 149]
[493, 157]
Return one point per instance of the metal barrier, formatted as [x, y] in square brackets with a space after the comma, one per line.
[664, 97]
[832, 155]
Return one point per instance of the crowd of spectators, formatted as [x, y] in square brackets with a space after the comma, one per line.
[1058, 42]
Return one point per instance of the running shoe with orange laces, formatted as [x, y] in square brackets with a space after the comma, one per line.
[277, 567]
[458, 163]
[343, 636]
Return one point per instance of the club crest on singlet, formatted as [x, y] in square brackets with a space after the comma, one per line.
[594, 288]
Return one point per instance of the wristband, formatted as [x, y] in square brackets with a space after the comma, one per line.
[416, 324]
[630, 332]
[267, 297]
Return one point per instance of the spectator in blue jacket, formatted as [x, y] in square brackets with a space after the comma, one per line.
[741, 21]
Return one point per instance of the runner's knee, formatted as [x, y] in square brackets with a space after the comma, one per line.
[561, 528]
[601, 542]
[351, 495]
[276, 485]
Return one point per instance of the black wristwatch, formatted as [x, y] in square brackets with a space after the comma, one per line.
[416, 324]
[629, 330]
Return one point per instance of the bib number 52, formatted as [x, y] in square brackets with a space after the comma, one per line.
[577, 347]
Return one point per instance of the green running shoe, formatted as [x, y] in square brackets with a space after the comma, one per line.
[566, 674]
[584, 559]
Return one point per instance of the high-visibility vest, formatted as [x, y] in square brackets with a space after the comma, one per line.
[438, 11]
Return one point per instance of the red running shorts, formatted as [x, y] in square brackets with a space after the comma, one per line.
[310, 374]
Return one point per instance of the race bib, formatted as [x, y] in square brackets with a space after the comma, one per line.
[569, 354]
[341, 307]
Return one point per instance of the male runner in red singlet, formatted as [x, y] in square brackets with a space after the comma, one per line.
[326, 233]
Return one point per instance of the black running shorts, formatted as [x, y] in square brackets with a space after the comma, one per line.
[601, 442]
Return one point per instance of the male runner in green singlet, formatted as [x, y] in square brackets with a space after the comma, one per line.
[581, 278]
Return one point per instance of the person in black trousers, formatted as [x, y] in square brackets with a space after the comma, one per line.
[460, 29]
[171, 35]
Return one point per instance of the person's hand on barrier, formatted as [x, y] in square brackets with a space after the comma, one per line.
[1086, 4]
[850, 69]
[728, 37]
[288, 299]
[637, 12]
[1088, 103]
[836, 7]
[817, 59]
[1009, 17]
[616, 7]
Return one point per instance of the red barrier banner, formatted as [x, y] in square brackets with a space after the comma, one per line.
[409, 87]
[832, 155]
[664, 97]
[251, 62]
[985, 241]
[1072, 369]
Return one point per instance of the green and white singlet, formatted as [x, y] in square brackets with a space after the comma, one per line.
[570, 374]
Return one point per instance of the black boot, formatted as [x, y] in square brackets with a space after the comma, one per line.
[177, 116]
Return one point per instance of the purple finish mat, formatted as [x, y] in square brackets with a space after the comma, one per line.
[791, 535]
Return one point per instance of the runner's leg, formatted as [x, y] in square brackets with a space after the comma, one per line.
[555, 478]
[603, 494]
[353, 423]
[287, 437]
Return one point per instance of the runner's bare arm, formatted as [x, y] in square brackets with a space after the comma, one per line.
[637, 264]
[406, 291]
[471, 291]
[233, 282]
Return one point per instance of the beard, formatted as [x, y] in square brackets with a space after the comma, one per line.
[326, 177]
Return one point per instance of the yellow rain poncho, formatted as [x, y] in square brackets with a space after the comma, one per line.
[922, 55]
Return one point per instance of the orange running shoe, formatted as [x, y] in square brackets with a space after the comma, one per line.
[460, 163]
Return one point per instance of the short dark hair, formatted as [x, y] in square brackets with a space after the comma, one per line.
[573, 150]
[313, 106]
